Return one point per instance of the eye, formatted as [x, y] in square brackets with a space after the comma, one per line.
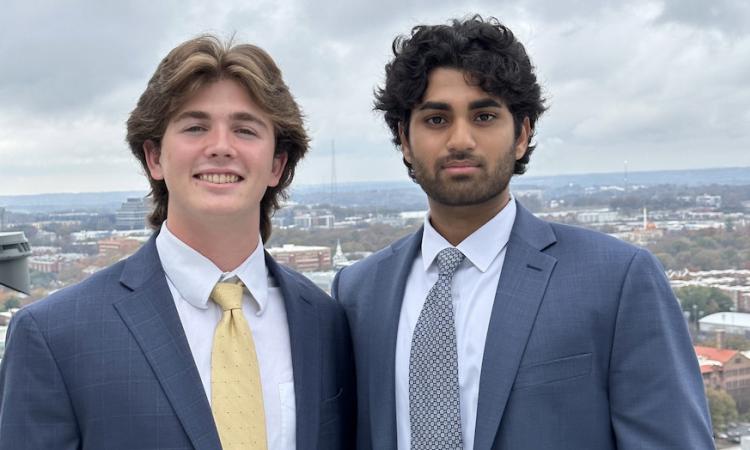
[194, 129]
[435, 120]
[246, 131]
[485, 117]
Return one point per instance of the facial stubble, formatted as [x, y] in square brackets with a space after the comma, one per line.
[464, 190]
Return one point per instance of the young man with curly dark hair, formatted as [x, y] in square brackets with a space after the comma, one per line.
[489, 328]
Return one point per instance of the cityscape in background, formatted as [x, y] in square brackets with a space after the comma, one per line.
[696, 222]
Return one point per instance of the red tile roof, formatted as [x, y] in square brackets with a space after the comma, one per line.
[721, 355]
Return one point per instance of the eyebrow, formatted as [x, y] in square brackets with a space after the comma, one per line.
[238, 116]
[485, 103]
[476, 104]
[434, 105]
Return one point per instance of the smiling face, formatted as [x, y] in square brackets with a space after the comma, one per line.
[461, 143]
[216, 158]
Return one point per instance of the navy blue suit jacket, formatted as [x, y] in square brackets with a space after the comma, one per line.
[106, 364]
[586, 349]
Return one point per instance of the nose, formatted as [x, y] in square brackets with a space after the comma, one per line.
[461, 136]
[220, 143]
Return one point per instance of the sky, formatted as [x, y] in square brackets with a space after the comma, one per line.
[651, 85]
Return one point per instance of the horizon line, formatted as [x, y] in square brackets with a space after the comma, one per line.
[406, 181]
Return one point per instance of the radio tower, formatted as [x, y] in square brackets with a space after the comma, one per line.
[333, 172]
[625, 179]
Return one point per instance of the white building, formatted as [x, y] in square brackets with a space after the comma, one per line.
[731, 322]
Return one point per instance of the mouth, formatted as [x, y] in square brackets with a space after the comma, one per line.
[460, 160]
[218, 178]
[460, 167]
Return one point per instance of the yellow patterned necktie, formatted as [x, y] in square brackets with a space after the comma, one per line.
[236, 393]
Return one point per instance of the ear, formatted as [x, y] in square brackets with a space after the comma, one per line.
[522, 143]
[153, 159]
[405, 148]
[277, 168]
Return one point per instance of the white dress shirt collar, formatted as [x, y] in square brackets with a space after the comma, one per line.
[480, 247]
[194, 276]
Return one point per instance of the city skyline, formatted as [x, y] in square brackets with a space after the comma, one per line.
[659, 84]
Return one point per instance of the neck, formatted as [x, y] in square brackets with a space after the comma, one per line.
[456, 223]
[225, 244]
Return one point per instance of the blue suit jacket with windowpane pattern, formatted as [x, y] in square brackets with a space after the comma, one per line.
[105, 364]
[586, 348]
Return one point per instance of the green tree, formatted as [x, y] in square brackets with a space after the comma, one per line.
[41, 279]
[12, 302]
[667, 260]
[722, 407]
[709, 300]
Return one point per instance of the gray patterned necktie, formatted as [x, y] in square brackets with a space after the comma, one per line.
[434, 402]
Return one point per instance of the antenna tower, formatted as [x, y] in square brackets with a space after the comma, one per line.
[333, 172]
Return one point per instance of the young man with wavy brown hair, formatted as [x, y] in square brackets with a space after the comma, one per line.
[200, 339]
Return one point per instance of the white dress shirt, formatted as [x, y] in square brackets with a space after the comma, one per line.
[191, 278]
[473, 293]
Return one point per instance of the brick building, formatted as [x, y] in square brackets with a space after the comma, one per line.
[303, 257]
[728, 370]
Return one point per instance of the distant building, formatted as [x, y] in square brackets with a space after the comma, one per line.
[597, 216]
[412, 217]
[54, 263]
[339, 259]
[279, 222]
[4, 329]
[46, 263]
[303, 221]
[132, 215]
[711, 201]
[43, 236]
[529, 193]
[731, 322]
[314, 220]
[86, 235]
[303, 257]
[121, 246]
[733, 282]
[728, 370]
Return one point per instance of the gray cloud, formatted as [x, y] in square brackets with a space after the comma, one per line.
[723, 16]
[59, 56]
[660, 83]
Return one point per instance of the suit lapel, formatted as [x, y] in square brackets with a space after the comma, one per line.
[304, 338]
[150, 314]
[384, 311]
[523, 281]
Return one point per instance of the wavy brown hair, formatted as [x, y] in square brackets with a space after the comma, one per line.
[195, 64]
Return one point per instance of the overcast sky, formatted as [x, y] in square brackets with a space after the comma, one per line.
[659, 84]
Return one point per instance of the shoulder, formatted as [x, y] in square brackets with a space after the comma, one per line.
[605, 259]
[579, 242]
[566, 241]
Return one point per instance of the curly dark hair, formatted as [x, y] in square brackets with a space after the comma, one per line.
[485, 50]
[200, 62]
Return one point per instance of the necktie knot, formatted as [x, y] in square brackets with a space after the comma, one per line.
[228, 295]
[448, 260]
